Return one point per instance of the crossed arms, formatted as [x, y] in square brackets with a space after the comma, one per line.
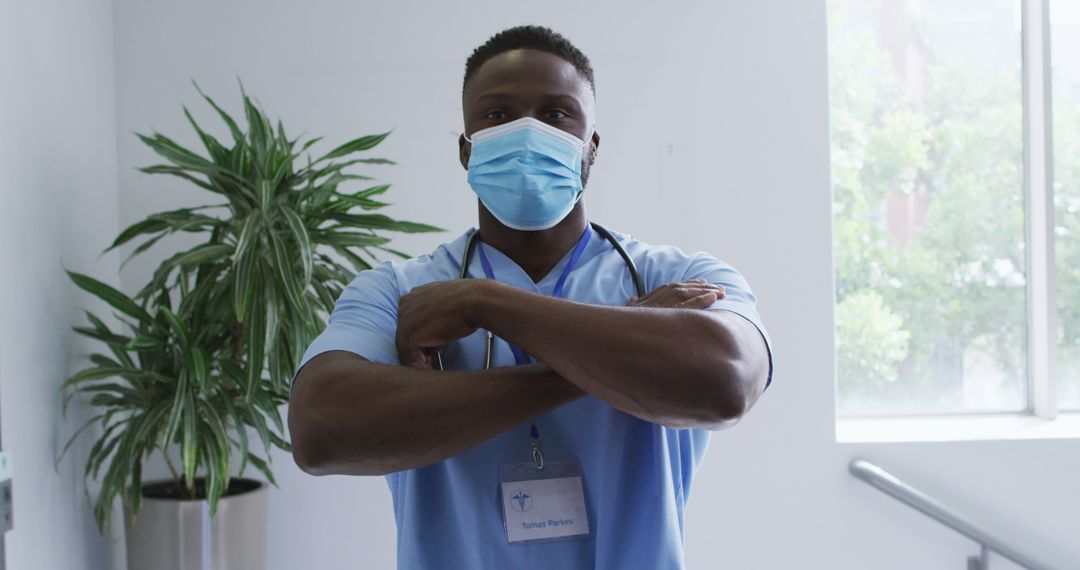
[661, 358]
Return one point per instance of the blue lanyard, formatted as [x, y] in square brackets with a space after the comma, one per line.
[519, 356]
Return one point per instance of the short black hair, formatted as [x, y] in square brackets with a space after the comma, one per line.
[529, 37]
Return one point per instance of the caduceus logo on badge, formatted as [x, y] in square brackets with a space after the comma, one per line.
[520, 501]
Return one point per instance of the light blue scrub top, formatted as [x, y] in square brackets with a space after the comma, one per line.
[637, 474]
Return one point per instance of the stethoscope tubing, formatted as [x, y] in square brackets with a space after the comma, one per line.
[470, 246]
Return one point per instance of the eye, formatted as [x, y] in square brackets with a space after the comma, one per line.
[555, 114]
[495, 115]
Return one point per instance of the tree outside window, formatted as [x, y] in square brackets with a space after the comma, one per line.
[928, 201]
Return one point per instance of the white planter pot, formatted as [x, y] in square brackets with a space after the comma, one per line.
[178, 534]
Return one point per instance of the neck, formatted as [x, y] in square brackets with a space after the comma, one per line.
[535, 252]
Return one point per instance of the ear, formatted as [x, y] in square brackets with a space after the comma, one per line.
[464, 151]
[594, 146]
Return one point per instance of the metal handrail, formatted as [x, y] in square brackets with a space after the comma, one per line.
[916, 499]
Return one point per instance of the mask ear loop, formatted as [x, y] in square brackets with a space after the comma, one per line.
[592, 157]
[588, 139]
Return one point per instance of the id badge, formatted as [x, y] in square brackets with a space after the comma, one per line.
[541, 505]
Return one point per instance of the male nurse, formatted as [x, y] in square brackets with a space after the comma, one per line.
[542, 412]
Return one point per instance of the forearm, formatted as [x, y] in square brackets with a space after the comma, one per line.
[351, 416]
[676, 367]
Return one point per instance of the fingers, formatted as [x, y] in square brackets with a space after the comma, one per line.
[701, 287]
[692, 285]
[417, 358]
[411, 353]
[702, 301]
[681, 294]
[703, 284]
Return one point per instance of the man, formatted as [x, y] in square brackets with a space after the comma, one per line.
[577, 446]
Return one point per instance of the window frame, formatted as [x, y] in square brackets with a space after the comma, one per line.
[1039, 208]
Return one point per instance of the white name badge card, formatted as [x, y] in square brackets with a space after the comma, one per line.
[542, 505]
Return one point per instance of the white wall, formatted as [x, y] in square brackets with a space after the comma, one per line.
[58, 208]
[715, 136]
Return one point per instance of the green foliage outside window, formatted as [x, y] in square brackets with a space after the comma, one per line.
[920, 315]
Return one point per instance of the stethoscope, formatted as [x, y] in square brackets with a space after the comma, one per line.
[470, 246]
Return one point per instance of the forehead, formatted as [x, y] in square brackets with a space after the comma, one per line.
[527, 72]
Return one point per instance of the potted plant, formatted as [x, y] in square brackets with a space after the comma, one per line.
[205, 351]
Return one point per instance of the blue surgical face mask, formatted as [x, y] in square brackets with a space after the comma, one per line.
[527, 173]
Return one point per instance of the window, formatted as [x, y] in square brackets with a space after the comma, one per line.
[1065, 39]
[944, 283]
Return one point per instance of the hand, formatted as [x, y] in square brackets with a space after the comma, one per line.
[693, 294]
[432, 316]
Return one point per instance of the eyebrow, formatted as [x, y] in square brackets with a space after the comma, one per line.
[550, 96]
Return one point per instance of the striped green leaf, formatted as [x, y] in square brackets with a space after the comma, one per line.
[303, 240]
[113, 297]
[356, 145]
